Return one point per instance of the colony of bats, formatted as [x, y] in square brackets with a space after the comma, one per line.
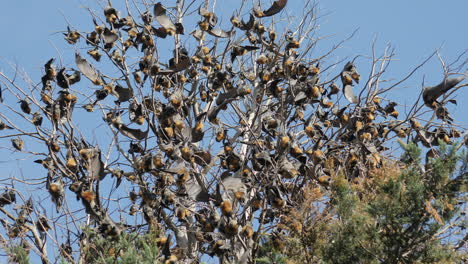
[217, 141]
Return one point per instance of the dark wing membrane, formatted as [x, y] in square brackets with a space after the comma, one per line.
[132, 133]
[96, 167]
[109, 36]
[249, 24]
[219, 33]
[124, 94]
[86, 68]
[430, 94]
[275, 8]
[183, 64]
[162, 18]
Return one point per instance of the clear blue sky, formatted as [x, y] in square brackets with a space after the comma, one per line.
[415, 28]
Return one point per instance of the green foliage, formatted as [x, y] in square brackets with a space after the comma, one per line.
[398, 221]
[401, 215]
[269, 254]
[412, 153]
[128, 248]
[347, 241]
[18, 254]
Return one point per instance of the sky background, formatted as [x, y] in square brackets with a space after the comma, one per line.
[30, 36]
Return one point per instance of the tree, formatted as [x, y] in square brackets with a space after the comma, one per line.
[401, 213]
[246, 147]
